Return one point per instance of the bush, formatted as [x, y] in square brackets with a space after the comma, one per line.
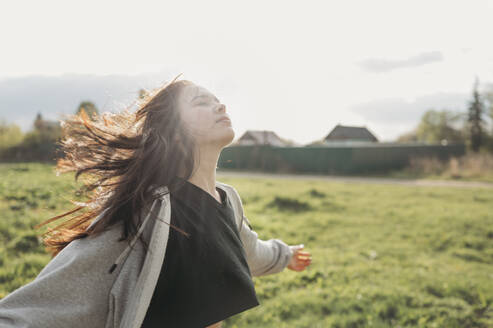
[471, 165]
[10, 135]
[289, 204]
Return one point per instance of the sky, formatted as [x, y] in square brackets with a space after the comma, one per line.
[296, 68]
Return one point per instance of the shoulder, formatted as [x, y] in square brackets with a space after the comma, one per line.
[232, 190]
[222, 184]
[227, 186]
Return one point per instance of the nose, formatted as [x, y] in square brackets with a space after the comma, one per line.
[221, 108]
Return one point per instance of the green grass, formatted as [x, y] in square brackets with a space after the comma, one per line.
[382, 255]
[406, 174]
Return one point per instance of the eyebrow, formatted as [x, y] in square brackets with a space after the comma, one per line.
[206, 96]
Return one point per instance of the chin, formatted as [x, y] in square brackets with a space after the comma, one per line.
[227, 137]
[231, 136]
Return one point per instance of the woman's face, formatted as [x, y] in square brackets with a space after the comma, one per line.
[200, 112]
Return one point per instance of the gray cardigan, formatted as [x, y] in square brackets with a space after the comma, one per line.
[99, 282]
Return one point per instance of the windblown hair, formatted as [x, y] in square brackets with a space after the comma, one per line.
[127, 157]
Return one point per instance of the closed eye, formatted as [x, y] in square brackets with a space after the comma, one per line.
[208, 97]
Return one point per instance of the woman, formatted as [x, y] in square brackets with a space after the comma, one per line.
[159, 163]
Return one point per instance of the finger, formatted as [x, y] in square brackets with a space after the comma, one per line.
[302, 254]
[303, 261]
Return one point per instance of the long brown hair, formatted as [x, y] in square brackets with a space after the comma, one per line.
[127, 157]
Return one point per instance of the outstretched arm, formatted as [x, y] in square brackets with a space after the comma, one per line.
[264, 256]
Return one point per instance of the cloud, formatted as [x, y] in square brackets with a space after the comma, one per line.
[379, 65]
[400, 111]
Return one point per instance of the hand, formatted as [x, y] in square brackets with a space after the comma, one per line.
[300, 260]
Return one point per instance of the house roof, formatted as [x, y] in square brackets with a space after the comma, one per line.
[341, 132]
[260, 137]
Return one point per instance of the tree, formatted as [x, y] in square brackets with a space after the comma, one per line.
[10, 134]
[438, 126]
[89, 108]
[38, 122]
[475, 119]
[488, 95]
[411, 136]
[51, 129]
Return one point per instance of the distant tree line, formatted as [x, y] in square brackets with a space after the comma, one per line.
[446, 126]
[436, 126]
[38, 144]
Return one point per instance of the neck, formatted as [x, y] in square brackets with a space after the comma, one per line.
[204, 175]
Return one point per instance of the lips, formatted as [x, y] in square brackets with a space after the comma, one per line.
[225, 118]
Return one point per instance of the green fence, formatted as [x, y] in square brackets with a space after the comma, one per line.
[314, 159]
[332, 160]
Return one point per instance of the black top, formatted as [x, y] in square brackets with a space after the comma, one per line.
[205, 277]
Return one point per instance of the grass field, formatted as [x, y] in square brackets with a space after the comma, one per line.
[383, 255]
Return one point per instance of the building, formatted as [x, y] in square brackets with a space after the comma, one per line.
[260, 137]
[342, 133]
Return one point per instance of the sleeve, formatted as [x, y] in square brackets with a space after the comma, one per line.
[263, 256]
[70, 291]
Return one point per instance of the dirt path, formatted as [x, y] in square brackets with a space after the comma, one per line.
[408, 182]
